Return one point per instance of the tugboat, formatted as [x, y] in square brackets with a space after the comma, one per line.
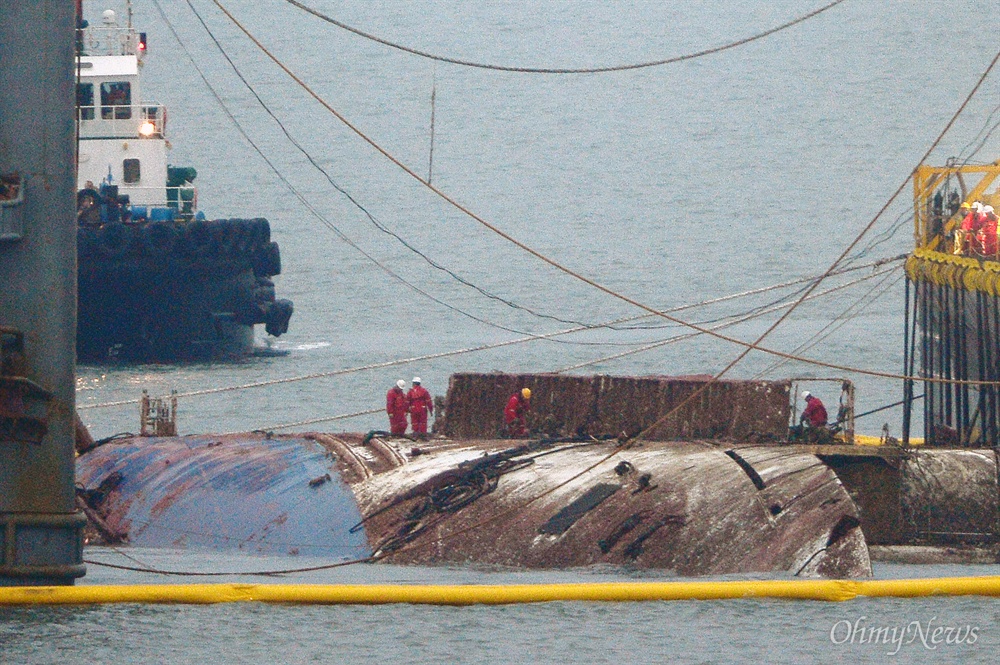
[157, 280]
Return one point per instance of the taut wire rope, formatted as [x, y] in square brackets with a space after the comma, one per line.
[747, 346]
[560, 70]
[483, 347]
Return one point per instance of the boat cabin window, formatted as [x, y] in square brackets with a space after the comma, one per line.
[85, 100]
[116, 100]
[130, 171]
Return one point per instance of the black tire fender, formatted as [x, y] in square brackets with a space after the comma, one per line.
[225, 231]
[277, 316]
[113, 240]
[198, 238]
[267, 261]
[159, 238]
[261, 232]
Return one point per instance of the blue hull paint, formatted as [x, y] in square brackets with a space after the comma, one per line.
[247, 493]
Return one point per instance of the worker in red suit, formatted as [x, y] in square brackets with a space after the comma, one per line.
[396, 405]
[515, 415]
[420, 405]
[815, 413]
[970, 212]
[971, 226]
[987, 234]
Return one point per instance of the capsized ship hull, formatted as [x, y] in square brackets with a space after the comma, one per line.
[245, 493]
[689, 508]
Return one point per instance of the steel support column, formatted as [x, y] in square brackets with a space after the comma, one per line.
[40, 527]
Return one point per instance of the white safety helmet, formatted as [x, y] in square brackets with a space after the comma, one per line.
[416, 379]
[987, 210]
[401, 384]
[806, 394]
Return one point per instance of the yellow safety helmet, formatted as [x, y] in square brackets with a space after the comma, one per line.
[526, 393]
[965, 204]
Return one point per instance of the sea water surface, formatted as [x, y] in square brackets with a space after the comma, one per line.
[670, 185]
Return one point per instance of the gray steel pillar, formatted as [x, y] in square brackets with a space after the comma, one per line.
[41, 531]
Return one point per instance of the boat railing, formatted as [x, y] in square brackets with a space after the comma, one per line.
[148, 120]
[938, 193]
[108, 40]
[183, 200]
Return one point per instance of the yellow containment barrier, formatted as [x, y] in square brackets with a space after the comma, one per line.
[378, 594]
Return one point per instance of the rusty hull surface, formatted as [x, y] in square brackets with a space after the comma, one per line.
[689, 508]
[745, 411]
[249, 492]
[951, 496]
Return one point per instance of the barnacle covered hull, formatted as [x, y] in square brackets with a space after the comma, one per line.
[687, 508]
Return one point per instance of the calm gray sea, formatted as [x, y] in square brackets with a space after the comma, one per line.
[671, 185]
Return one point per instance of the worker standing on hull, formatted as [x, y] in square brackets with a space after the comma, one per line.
[396, 405]
[814, 415]
[515, 415]
[420, 405]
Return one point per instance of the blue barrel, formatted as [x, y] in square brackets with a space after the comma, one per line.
[161, 214]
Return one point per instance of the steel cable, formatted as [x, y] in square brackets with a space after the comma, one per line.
[747, 346]
[484, 347]
[560, 70]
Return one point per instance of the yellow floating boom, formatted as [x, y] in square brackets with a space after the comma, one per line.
[377, 594]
